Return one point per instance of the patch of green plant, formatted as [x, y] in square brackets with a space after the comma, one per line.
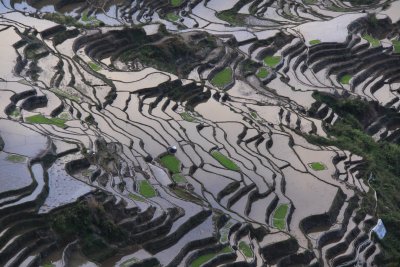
[48, 265]
[382, 159]
[187, 117]
[317, 166]
[94, 66]
[226, 249]
[396, 46]
[225, 161]
[373, 41]
[345, 79]
[15, 113]
[272, 61]
[136, 197]
[254, 115]
[187, 195]
[172, 17]
[146, 189]
[64, 116]
[224, 232]
[92, 20]
[338, 8]
[35, 51]
[87, 172]
[314, 42]
[279, 219]
[171, 163]
[61, 93]
[204, 258]
[222, 78]
[85, 17]
[129, 262]
[232, 17]
[179, 178]
[176, 2]
[62, 19]
[262, 73]
[310, 2]
[40, 119]
[245, 249]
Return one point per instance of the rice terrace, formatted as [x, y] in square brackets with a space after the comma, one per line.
[199, 133]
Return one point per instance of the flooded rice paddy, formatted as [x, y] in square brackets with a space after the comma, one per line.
[93, 96]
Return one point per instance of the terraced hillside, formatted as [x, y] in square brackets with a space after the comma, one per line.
[199, 133]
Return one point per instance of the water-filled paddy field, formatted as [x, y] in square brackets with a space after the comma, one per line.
[257, 100]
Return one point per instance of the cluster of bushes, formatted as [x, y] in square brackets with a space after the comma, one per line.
[382, 159]
[92, 225]
[174, 54]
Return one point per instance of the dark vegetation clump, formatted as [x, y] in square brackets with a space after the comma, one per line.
[95, 228]
[232, 16]
[62, 19]
[363, 2]
[249, 67]
[378, 28]
[60, 37]
[173, 53]
[382, 159]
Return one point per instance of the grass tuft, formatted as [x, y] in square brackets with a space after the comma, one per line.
[179, 178]
[40, 119]
[222, 78]
[146, 189]
[136, 197]
[204, 258]
[314, 42]
[176, 2]
[171, 163]
[373, 41]
[187, 195]
[232, 17]
[61, 93]
[262, 73]
[245, 249]
[172, 17]
[94, 66]
[272, 61]
[279, 219]
[396, 46]
[187, 117]
[16, 158]
[317, 166]
[345, 79]
[225, 161]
